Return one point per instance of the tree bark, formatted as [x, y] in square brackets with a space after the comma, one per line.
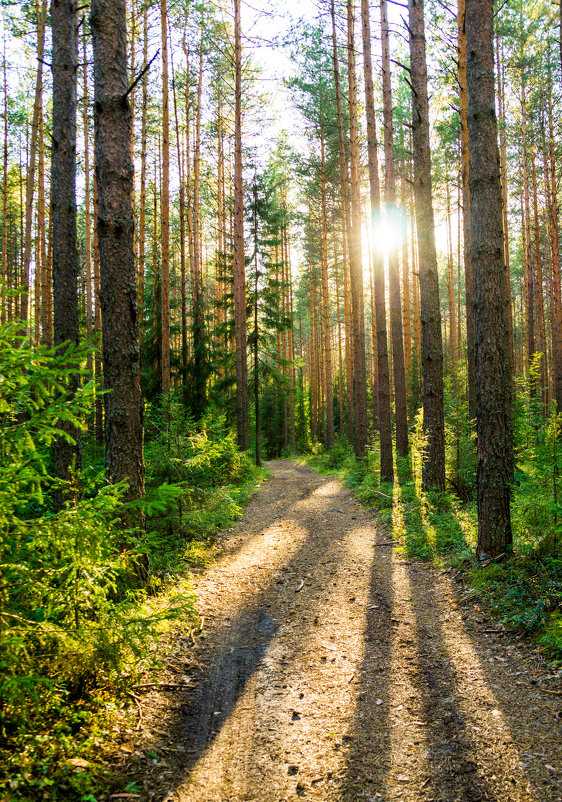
[465, 178]
[115, 222]
[239, 253]
[346, 232]
[393, 269]
[492, 352]
[385, 420]
[165, 207]
[433, 471]
[63, 204]
[41, 13]
[355, 251]
[328, 390]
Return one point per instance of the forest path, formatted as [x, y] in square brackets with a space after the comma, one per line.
[333, 669]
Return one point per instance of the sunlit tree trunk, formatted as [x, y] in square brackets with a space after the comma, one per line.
[326, 304]
[199, 399]
[41, 13]
[399, 371]
[555, 255]
[433, 473]
[383, 389]
[465, 178]
[142, 191]
[355, 250]
[239, 253]
[165, 208]
[346, 232]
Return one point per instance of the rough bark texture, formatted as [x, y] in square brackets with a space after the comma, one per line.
[468, 278]
[30, 176]
[492, 355]
[165, 206]
[399, 368]
[118, 294]
[328, 390]
[385, 421]
[346, 228]
[199, 369]
[355, 251]
[555, 256]
[239, 256]
[63, 200]
[432, 346]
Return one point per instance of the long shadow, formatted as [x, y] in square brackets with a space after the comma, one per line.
[434, 526]
[368, 759]
[450, 750]
[534, 728]
[236, 647]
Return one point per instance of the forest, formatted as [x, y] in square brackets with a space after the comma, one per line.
[250, 253]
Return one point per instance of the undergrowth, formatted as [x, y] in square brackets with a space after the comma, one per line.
[76, 631]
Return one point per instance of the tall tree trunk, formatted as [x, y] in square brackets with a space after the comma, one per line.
[555, 251]
[114, 175]
[199, 400]
[63, 201]
[492, 352]
[239, 253]
[527, 246]
[41, 12]
[539, 299]
[454, 345]
[433, 472]
[465, 178]
[87, 207]
[326, 302]
[165, 206]
[385, 421]
[393, 268]
[355, 250]
[346, 231]
[42, 219]
[4, 311]
[183, 308]
[142, 194]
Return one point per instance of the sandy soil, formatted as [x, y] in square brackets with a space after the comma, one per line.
[330, 668]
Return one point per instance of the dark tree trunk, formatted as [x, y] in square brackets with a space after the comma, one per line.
[118, 293]
[385, 420]
[468, 278]
[432, 346]
[63, 200]
[492, 352]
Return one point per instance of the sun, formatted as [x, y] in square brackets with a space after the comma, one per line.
[387, 232]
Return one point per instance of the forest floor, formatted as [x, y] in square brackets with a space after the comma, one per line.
[331, 668]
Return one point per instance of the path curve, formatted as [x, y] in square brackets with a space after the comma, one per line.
[333, 669]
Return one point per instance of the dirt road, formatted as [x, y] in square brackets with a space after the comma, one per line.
[332, 669]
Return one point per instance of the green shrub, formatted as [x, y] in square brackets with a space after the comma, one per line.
[70, 618]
